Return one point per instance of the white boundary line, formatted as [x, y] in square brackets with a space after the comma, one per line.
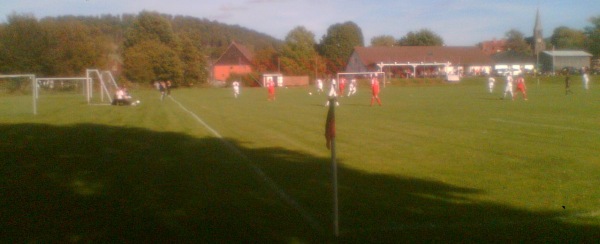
[276, 188]
[544, 125]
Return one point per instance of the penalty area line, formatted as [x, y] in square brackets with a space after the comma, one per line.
[258, 171]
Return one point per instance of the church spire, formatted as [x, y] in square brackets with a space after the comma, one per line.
[538, 38]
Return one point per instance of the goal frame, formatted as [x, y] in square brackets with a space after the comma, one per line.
[107, 85]
[105, 79]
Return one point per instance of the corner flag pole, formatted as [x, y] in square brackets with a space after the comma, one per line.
[336, 220]
[330, 137]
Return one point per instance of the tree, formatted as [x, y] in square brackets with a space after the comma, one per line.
[566, 38]
[74, 47]
[338, 44]
[193, 62]
[152, 60]
[265, 60]
[151, 50]
[24, 46]
[213, 37]
[516, 43]
[150, 26]
[298, 53]
[423, 37]
[66, 45]
[383, 41]
[593, 36]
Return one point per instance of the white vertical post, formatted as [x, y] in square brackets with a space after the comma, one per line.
[90, 85]
[102, 87]
[89, 89]
[336, 221]
[34, 93]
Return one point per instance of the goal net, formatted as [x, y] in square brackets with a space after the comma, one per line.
[101, 87]
[16, 94]
[61, 87]
[57, 93]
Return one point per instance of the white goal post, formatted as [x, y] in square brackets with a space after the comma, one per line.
[31, 77]
[102, 80]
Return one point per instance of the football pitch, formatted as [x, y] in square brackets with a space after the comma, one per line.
[437, 162]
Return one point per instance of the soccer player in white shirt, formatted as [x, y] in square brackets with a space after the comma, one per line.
[319, 86]
[236, 88]
[586, 80]
[332, 93]
[352, 87]
[509, 86]
[491, 82]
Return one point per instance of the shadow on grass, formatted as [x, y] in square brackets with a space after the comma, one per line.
[94, 183]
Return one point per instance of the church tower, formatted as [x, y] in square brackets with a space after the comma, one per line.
[538, 39]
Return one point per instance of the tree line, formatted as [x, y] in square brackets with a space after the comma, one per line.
[147, 46]
[151, 46]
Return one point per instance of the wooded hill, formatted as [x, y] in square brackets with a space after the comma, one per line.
[67, 45]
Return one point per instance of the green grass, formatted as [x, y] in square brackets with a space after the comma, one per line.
[437, 162]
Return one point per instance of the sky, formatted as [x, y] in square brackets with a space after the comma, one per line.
[458, 22]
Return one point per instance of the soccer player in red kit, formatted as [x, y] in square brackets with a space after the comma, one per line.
[342, 86]
[271, 88]
[521, 87]
[375, 90]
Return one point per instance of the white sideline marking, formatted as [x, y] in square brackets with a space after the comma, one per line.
[280, 192]
[545, 125]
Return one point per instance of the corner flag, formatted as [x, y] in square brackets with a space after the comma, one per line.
[330, 124]
[330, 143]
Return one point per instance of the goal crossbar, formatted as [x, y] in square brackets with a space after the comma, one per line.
[59, 78]
[18, 76]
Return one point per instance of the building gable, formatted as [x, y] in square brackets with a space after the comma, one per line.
[235, 54]
[236, 59]
[553, 61]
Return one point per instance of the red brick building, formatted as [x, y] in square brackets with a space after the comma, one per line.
[237, 59]
[492, 47]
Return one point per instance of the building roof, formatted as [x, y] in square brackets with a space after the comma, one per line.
[568, 53]
[235, 54]
[493, 46]
[427, 54]
[512, 57]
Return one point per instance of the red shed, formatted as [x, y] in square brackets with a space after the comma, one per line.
[236, 59]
